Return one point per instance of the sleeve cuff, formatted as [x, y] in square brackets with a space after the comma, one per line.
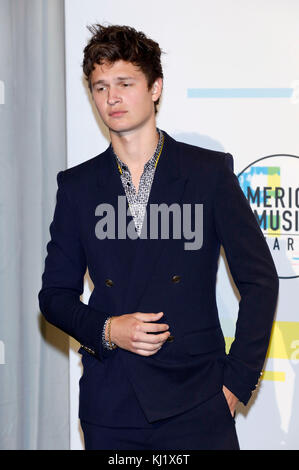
[99, 350]
[239, 379]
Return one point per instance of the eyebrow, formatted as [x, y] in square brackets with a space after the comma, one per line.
[120, 79]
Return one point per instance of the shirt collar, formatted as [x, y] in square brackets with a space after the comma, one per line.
[150, 164]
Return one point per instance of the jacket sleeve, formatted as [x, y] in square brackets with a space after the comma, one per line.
[63, 279]
[255, 276]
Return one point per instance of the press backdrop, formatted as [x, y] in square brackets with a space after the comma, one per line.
[231, 83]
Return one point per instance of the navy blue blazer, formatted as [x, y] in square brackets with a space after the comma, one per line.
[153, 275]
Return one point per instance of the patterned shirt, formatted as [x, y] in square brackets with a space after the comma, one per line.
[138, 200]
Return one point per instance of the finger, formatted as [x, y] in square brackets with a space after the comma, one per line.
[145, 352]
[150, 338]
[138, 346]
[147, 317]
[154, 327]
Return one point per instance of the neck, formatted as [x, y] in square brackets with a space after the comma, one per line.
[135, 148]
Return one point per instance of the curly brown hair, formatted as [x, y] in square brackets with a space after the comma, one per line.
[112, 43]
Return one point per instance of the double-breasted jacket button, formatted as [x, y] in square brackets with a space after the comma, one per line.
[109, 283]
[176, 278]
[170, 339]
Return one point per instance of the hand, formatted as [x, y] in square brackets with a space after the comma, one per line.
[231, 399]
[131, 332]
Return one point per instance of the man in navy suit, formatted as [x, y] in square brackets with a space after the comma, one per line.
[156, 374]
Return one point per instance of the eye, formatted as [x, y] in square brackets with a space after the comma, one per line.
[99, 89]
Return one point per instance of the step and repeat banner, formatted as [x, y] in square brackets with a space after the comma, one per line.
[231, 84]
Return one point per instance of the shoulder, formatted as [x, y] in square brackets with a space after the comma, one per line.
[194, 158]
[84, 173]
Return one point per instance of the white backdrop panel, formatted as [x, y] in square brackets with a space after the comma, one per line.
[225, 46]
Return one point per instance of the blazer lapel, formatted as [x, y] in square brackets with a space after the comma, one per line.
[109, 189]
[168, 187]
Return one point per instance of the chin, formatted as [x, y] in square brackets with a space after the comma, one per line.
[122, 128]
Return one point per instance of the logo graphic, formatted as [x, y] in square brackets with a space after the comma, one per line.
[271, 186]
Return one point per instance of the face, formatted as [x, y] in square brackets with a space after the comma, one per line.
[121, 95]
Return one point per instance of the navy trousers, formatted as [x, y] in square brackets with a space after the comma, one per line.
[208, 426]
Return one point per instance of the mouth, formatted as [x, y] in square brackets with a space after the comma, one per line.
[116, 114]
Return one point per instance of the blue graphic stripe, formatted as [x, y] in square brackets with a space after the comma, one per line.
[239, 92]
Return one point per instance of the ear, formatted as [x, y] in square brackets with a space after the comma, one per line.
[157, 89]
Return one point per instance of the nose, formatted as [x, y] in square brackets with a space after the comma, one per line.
[112, 96]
